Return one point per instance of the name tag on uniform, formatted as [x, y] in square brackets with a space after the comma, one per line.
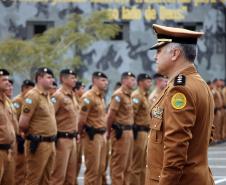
[157, 112]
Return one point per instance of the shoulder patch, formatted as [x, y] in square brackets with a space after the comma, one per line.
[16, 105]
[28, 101]
[179, 80]
[53, 100]
[178, 101]
[135, 100]
[86, 101]
[117, 99]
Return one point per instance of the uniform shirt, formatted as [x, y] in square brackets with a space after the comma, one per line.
[17, 103]
[121, 103]
[218, 101]
[181, 121]
[154, 96]
[13, 114]
[43, 120]
[141, 107]
[7, 132]
[93, 106]
[67, 110]
[224, 94]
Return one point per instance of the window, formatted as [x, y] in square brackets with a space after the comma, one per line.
[37, 27]
[123, 34]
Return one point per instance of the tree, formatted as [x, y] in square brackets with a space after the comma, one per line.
[50, 49]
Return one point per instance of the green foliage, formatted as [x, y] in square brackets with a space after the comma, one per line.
[50, 49]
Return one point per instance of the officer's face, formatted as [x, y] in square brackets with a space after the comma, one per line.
[131, 82]
[102, 83]
[147, 84]
[4, 83]
[70, 80]
[47, 81]
[162, 58]
[9, 90]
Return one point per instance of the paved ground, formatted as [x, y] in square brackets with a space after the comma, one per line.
[217, 162]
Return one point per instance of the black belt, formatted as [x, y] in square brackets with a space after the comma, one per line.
[99, 130]
[5, 146]
[69, 135]
[41, 138]
[122, 126]
[142, 128]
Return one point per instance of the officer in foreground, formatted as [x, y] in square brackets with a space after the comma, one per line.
[182, 116]
[38, 122]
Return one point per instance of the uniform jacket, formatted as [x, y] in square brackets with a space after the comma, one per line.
[181, 120]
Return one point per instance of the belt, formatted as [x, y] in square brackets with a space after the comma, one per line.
[99, 130]
[42, 138]
[69, 135]
[122, 126]
[5, 146]
[142, 128]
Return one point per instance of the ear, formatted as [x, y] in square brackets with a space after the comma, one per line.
[176, 52]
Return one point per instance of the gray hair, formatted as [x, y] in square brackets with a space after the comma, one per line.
[188, 50]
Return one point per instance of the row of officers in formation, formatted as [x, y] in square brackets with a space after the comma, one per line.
[45, 129]
[58, 124]
[160, 138]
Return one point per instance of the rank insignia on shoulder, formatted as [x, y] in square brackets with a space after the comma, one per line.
[179, 80]
[28, 101]
[53, 100]
[136, 100]
[16, 105]
[117, 99]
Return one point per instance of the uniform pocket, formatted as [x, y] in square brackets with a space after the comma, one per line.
[156, 134]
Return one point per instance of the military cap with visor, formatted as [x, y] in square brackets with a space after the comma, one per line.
[45, 70]
[67, 72]
[4, 72]
[99, 74]
[127, 74]
[167, 35]
[143, 76]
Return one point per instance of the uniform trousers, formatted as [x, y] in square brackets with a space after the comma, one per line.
[121, 158]
[139, 159]
[65, 164]
[95, 153]
[39, 165]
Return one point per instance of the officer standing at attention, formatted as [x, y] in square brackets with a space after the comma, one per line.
[120, 122]
[93, 121]
[38, 122]
[182, 116]
[20, 158]
[7, 133]
[66, 112]
[141, 108]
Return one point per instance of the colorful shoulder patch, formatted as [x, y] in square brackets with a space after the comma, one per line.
[178, 101]
[53, 100]
[117, 99]
[135, 100]
[179, 80]
[86, 101]
[16, 105]
[28, 101]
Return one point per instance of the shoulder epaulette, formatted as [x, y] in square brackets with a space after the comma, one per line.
[179, 80]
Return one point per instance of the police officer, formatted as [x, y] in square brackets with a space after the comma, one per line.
[141, 108]
[182, 116]
[79, 90]
[66, 112]
[7, 133]
[160, 84]
[20, 157]
[93, 123]
[38, 122]
[120, 123]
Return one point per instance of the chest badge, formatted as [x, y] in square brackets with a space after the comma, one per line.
[157, 112]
